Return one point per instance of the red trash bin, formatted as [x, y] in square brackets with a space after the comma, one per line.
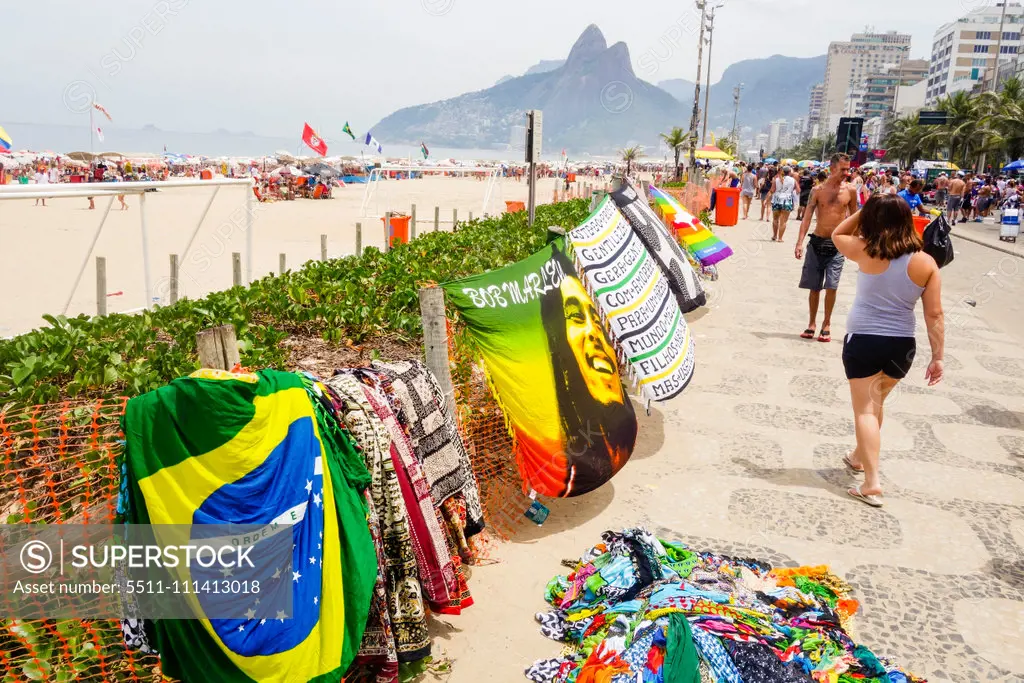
[727, 206]
[399, 233]
[920, 223]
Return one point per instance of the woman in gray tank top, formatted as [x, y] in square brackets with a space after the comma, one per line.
[879, 347]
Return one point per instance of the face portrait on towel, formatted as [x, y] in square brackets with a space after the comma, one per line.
[553, 370]
[597, 420]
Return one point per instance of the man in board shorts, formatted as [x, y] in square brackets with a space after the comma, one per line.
[833, 201]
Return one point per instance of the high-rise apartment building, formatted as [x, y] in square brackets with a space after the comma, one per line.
[850, 62]
[964, 51]
[880, 91]
[815, 107]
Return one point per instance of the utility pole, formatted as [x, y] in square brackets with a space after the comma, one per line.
[736, 113]
[702, 6]
[999, 48]
[995, 71]
[707, 89]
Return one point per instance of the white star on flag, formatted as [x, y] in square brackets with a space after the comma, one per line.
[281, 615]
[312, 560]
[316, 499]
[262, 621]
[316, 600]
[227, 572]
[241, 628]
[309, 486]
[296, 576]
[250, 614]
[277, 573]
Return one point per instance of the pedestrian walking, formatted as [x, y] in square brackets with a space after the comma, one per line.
[833, 201]
[783, 199]
[880, 346]
[766, 192]
[747, 191]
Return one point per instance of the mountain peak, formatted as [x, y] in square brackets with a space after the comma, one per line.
[590, 44]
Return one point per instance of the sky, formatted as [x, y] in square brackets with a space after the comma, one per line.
[266, 67]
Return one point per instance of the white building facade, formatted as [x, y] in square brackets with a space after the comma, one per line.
[851, 62]
[966, 51]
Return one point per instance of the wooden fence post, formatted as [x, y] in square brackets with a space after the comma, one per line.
[455, 219]
[359, 239]
[236, 269]
[412, 223]
[470, 216]
[173, 288]
[437, 218]
[101, 285]
[435, 342]
[323, 247]
[281, 258]
[218, 347]
[387, 231]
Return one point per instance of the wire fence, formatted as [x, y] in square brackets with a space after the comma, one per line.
[61, 464]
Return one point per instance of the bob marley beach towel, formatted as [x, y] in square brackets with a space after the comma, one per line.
[553, 370]
[634, 297]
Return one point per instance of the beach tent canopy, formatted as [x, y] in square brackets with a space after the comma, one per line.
[713, 153]
[789, 162]
[82, 156]
[1014, 166]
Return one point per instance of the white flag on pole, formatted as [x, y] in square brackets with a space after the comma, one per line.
[99, 133]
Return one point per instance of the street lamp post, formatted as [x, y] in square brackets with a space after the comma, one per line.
[707, 89]
[702, 6]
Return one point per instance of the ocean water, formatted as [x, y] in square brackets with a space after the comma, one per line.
[40, 137]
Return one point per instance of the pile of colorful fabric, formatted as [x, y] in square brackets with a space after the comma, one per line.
[637, 608]
[369, 470]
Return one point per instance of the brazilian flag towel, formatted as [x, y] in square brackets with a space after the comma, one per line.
[221, 448]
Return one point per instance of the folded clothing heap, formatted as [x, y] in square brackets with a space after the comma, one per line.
[637, 608]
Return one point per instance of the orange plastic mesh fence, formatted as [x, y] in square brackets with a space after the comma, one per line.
[487, 437]
[60, 466]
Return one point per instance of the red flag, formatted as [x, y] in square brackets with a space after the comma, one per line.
[313, 141]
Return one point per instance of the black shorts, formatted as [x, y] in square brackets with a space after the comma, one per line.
[866, 355]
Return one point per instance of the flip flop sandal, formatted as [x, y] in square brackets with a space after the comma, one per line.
[850, 466]
[869, 499]
[825, 336]
[808, 333]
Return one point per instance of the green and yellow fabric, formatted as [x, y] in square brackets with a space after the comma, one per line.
[221, 448]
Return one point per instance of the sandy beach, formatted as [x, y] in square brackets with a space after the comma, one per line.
[43, 248]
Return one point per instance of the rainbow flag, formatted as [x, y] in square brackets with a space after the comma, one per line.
[5, 140]
[702, 244]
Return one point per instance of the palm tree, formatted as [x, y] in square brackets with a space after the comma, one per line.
[631, 154]
[728, 145]
[676, 139]
[906, 140]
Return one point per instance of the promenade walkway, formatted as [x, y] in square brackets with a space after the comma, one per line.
[748, 461]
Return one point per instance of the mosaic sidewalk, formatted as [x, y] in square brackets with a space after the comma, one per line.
[748, 461]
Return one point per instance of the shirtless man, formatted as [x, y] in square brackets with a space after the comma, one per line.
[833, 201]
[941, 189]
[956, 197]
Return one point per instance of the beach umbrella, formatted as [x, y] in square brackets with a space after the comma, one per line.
[770, 160]
[789, 162]
[711, 152]
[1014, 166]
[807, 163]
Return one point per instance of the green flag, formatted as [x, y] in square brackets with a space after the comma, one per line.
[348, 130]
